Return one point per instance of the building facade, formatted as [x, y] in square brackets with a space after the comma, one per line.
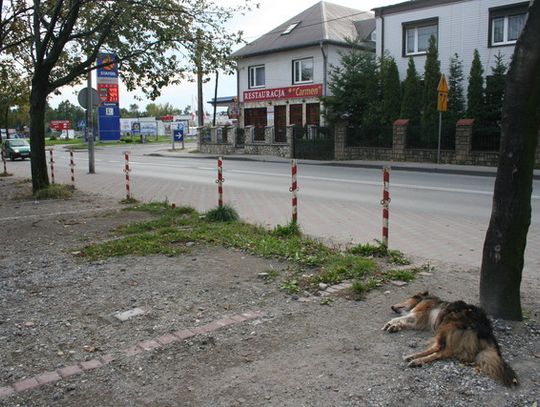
[460, 26]
[283, 74]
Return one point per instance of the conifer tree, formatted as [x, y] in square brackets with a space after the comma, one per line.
[495, 90]
[432, 75]
[475, 90]
[390, 90]
[410, 105]
[456, 99]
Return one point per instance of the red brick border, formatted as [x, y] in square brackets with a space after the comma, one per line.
[140, 347]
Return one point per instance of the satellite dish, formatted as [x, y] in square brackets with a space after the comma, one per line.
[83, 98]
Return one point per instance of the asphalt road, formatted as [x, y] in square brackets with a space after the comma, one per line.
[432, 215]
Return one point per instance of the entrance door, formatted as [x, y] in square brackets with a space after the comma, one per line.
[280, 123]
[256, 117]
[313, 114]
[295, 115]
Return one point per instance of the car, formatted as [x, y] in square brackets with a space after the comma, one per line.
[15, 148]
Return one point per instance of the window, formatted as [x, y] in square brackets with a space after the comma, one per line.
[290, 28]
[506, 23]
[303, 70]
[256, 76]
[416, 36]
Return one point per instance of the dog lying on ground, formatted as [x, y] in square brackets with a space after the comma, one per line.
[462, 331]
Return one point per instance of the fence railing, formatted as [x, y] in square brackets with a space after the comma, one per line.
[427, 137]
[486, 137]
[369, 136]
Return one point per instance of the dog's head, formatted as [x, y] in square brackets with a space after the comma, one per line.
[409, 303]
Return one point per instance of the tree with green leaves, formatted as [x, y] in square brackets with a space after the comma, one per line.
[390, 90]
[410, 106]
[154, 41]
[432, 76]
[475, 90]
[495, 90]
[14, 91]
[456, 97]
[506, 237]
[156, 110]
[354, 86]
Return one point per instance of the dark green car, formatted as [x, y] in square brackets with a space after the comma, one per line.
[15, 148]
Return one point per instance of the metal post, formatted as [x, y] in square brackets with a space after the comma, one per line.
[51, 161]
[385, 202]
[220, 181]
[72, 165]
[439, 142]
[294, 189]
[89, 129]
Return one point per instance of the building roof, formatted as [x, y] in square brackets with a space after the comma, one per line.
[323, 22]
[411, 5]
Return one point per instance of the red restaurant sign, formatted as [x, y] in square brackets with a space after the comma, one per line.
[291, 92]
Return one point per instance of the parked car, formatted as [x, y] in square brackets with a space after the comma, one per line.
[15, 148]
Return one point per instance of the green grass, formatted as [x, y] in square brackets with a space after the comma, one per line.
[223, 213]
[291, 229]
[55, 191]
[172, 228]
[380, 250]
[54, 142]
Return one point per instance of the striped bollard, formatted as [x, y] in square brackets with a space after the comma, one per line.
[72, 165]
[220, 180]
[294, 190]
[385, 204]
[51, 161]
[127, 170]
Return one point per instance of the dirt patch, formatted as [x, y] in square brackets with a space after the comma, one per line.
[57, 310]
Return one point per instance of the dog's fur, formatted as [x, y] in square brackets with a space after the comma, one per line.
[462, 331]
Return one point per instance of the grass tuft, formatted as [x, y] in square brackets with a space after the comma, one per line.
[55, 191]
[129, 201]
[223, 213]
[291, 229]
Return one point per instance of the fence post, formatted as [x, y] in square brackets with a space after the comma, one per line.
[72, 165]
[294, 189]
[51, 162]
[220, 181]
[385, 202]
[127, 170]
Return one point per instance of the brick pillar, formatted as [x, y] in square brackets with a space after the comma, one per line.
[340, 135]
[248, 134]
[464, 128]
[399, 139]
[290, 140]
[268, 135]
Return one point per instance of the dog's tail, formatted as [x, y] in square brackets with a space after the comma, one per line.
[490, 362]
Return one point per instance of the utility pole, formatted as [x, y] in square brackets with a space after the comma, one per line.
[198, 64]
[215, 99]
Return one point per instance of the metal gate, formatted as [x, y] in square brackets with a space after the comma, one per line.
[313, 143]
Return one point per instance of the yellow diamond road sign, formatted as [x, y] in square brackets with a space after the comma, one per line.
[442, 100]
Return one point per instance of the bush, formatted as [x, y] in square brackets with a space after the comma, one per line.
[223, 213]
[55, 191]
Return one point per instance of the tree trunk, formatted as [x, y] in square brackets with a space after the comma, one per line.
[38, 101]
[506, 237]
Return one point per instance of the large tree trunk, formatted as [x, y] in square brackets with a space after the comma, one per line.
[38, 101]
[506, 237]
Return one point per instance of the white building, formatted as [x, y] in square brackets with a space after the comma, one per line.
[282, 75]
[460, 26]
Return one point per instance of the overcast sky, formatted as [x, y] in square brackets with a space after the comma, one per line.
[269, 15]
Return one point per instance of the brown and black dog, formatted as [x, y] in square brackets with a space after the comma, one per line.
[462, 331]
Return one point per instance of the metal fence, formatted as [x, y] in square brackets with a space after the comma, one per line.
[369, 136]
[427, 136]
[486, 137]
[313, 142]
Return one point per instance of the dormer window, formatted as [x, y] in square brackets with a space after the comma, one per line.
[290, 28]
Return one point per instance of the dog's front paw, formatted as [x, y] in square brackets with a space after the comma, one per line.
[408, 358]
[392, 326]
[414, 363]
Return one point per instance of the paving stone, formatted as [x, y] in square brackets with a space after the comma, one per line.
[149, 345]
[6, 391]
[91, 364]
[69, 371]
[26, 384]
[48, 377]
[167, 339]
[125, 315]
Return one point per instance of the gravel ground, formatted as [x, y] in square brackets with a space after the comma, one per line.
[57, 310]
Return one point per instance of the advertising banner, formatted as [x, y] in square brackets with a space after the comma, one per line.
[291, 92]
[107, 87]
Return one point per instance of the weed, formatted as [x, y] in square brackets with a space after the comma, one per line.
[291, 286]
[397, 257]
[129, 201]
[291, 229]
[342, 267]
[55, 191]
[401, 275]
[368, 249]
[359, 288]
[5, 174]
[223, 213]
[327, 301]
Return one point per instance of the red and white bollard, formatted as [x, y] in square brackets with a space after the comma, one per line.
[127, 170]
[385, 202]
[72, 165]
[51, 162]
[294, 190]
[220, 180]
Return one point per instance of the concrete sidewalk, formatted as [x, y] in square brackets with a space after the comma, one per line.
[190, 152]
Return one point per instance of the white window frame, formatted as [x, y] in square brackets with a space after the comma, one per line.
[505, 19]
[407, 27]
[297, 68]
[252, 77]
